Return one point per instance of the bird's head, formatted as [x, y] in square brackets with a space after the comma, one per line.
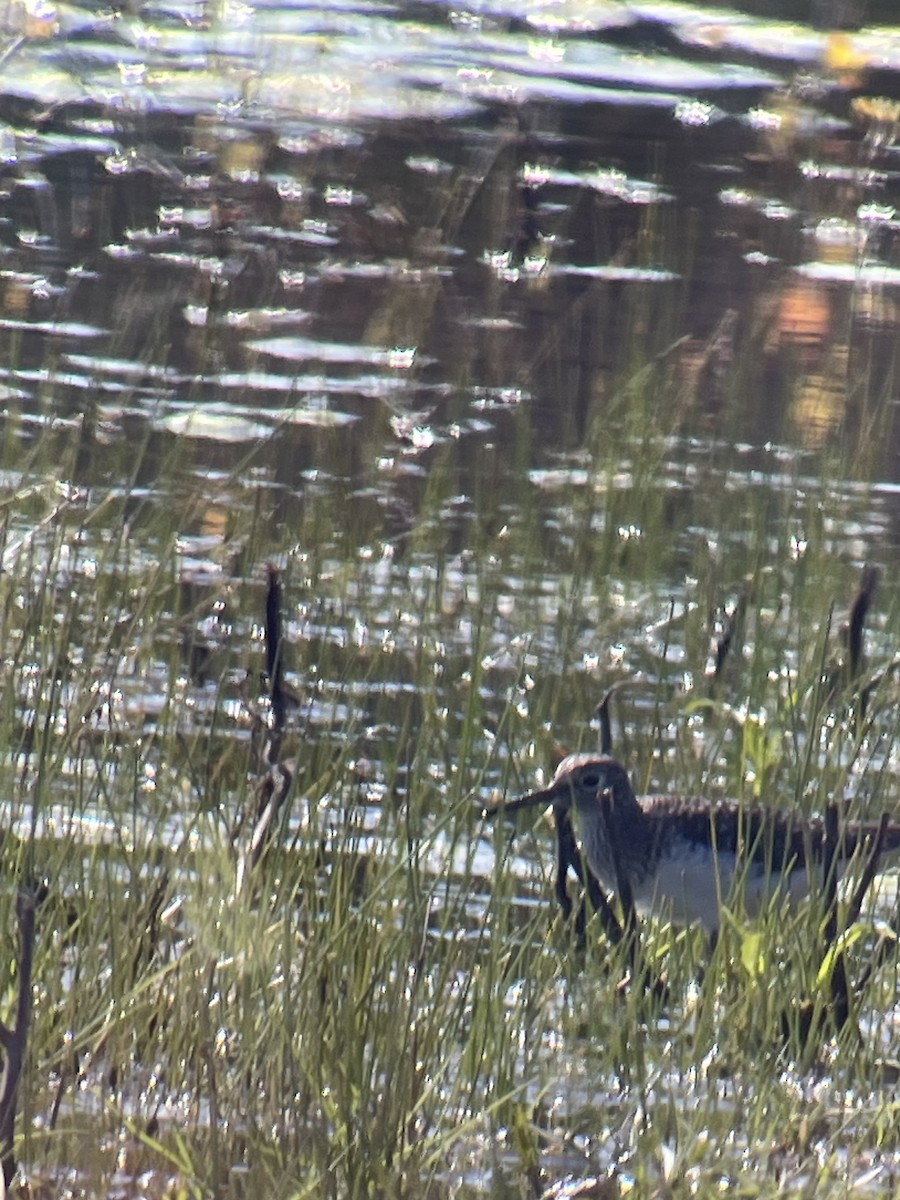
[582, 780]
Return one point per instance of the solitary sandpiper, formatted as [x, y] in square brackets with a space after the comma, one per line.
[683, 857]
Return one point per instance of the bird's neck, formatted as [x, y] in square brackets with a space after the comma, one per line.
[617, 829]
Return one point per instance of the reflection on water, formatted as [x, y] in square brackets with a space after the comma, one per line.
[623, 267]
[602, 176]
[329, 253]
[429, 299]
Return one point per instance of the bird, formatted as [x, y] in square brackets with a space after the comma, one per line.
[681, 857]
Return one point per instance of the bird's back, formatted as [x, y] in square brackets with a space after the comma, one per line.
[704, 855]
[757, 832]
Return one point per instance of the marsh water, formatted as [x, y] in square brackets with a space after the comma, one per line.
[422, 288]
[530, 341]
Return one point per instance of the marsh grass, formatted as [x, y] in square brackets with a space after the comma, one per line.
[391, 1007]
[380, 1009]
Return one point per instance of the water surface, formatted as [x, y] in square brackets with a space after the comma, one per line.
[519, 336]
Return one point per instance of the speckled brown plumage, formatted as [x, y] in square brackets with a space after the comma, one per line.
[684, 856]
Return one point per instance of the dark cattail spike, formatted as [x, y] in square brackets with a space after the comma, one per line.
[856, 619]
[275, 657]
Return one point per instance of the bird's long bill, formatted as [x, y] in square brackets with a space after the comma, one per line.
[543, 798]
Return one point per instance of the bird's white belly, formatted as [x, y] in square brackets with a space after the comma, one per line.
[692, 882]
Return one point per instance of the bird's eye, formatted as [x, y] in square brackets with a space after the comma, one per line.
[591, 779]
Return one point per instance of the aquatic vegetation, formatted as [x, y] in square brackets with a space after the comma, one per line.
[531, 352]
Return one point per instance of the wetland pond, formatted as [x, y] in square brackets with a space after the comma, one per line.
[540, 346]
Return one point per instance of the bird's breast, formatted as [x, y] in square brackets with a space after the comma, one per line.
[692, 881]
